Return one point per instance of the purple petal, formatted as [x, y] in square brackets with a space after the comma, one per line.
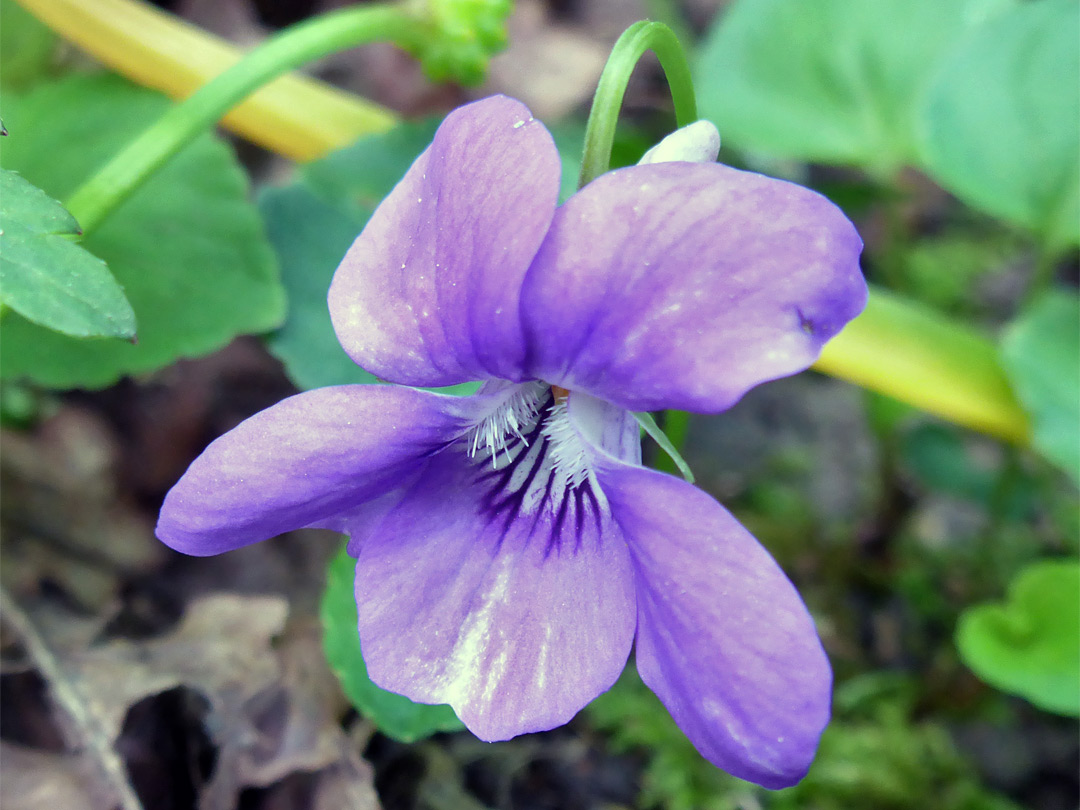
[612, 429]
[678, 285]
[428, 293]
[498, 590]
[304, 461]
[723, 638]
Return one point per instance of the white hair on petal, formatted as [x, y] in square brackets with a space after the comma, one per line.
[569, 455]
[510, 419]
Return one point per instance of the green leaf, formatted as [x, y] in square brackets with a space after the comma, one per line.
[1041, 354]
[311, 224]
[833, 81]
[1001, 126]
[1030, 645]
[310, 236]
[59, 286]
[189, 248]
[394, 715]
[24, 204]
[49, 279]
[360, 175]
[26, 46]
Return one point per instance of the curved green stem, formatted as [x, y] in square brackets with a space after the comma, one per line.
[119, 178]
[630, 47]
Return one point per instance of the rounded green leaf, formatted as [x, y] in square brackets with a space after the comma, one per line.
[309, 236]
[188, 248]
[1001, 123]
[1030, 645]
[1041, 354]
[394, 715]
[357, 177]
[833, 81]
[311, 224]
[49, 279]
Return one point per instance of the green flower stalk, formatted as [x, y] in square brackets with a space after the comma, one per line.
[452, 39]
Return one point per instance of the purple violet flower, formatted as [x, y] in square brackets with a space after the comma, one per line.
[510, 546]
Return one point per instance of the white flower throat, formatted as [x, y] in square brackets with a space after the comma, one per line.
[529, 448]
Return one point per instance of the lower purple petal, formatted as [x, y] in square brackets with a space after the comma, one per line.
[723, 638]
[305, 461]
[491, 590]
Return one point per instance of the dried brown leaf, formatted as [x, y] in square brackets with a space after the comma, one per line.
[64, 517]
[37, 780]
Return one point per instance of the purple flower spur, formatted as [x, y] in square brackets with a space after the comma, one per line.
[510, 548]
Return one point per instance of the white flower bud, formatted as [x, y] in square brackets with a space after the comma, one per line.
[698, 142]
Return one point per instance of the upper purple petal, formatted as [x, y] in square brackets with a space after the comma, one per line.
[304, 461]
[428, 293]
[496, 588]
[723, 638]
[678, 285]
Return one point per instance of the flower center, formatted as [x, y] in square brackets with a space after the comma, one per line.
[532, 457]
[504, 425]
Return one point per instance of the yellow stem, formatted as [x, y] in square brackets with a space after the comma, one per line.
[901, 348]
[298, 117]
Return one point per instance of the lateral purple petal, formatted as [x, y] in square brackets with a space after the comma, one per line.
[304, 461]
[428, 293]
[723, 638]
[678, 285]
[515, 617]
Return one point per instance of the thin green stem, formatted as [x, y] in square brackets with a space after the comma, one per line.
[600, 136]
[99, 196]
[670, 13]
[631, 46]
[649, 425]
[676, 426]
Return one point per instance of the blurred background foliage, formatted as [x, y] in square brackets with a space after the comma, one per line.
[941, 565]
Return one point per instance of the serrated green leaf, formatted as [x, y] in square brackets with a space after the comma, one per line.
[23, 203]
[1041, 354]
[833, 81]
[1030, 644]
[49, 279]
[394, 715]
[1001, 123]
[188, 247]
[59, 286]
